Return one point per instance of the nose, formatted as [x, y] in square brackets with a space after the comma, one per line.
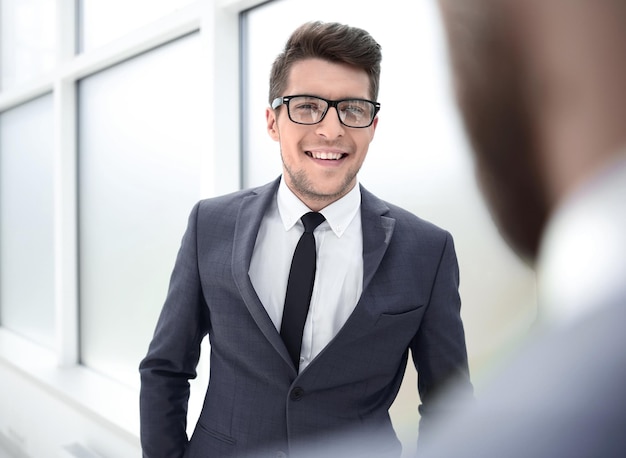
[330, 127]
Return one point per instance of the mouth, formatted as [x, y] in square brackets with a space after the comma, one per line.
[326, 155]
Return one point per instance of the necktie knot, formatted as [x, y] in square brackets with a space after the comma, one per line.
[311, 220]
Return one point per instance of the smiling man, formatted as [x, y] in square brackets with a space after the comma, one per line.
[313, 291]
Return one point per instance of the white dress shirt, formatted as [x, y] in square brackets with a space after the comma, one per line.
[339, 275]
[583, 255]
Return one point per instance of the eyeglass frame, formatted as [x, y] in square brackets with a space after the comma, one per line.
[278, 101]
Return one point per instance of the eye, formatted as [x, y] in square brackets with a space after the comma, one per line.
[306, 105]
[355, 109]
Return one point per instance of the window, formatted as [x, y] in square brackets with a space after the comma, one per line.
[27, 40]
[140, 153]
[104, 21]
[102, 156]
[26, 221]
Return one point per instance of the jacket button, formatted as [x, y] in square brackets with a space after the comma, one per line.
[297, 393]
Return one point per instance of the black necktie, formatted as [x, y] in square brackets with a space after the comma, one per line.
[300, 287]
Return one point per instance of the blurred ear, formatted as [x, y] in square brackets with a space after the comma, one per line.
[272, 123]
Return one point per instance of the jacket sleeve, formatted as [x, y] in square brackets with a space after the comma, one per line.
[438, 349]
[173, 355]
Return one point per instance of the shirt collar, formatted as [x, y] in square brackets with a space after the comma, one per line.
[339, 214]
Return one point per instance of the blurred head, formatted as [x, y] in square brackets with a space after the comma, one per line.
[541, 87]
[491, 94]
[325, 132]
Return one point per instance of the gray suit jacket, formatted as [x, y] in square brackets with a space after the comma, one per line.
[257, 403]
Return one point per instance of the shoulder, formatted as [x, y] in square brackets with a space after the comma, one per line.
[221, 213]
[228, 203]
[405, 221]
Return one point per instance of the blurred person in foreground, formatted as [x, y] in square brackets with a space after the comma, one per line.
[386, 286]
[541, 85]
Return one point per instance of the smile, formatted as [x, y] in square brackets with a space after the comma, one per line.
[326, 155]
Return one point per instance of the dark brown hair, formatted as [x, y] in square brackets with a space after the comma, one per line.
[330, 41]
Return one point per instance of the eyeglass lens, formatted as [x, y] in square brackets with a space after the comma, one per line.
[311, 110]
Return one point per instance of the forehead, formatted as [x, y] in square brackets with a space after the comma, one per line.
[327, 79]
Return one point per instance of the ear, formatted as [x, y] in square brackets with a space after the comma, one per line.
[272, 124]
[374, 124]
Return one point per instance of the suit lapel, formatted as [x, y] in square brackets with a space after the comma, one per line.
[251, 212]
[377, 232]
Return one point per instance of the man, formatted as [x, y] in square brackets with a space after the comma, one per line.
[542, 87]
[386, 282]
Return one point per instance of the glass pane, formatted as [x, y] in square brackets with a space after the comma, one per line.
[26, 221]
[104, 21]
[139, 175]
[27, 40]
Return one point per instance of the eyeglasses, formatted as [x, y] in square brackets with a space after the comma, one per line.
[308, 109]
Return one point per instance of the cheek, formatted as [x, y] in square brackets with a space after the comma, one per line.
[285, 134]
[296, 139]
[363, 145]
[290, 148]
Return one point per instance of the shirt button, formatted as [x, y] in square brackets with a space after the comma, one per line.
[297, 393]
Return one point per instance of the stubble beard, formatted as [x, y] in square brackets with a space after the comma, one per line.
[302, 186]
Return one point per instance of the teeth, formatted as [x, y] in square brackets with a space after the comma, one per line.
[326, 156]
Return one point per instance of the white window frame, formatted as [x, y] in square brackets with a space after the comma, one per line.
[59, 370]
